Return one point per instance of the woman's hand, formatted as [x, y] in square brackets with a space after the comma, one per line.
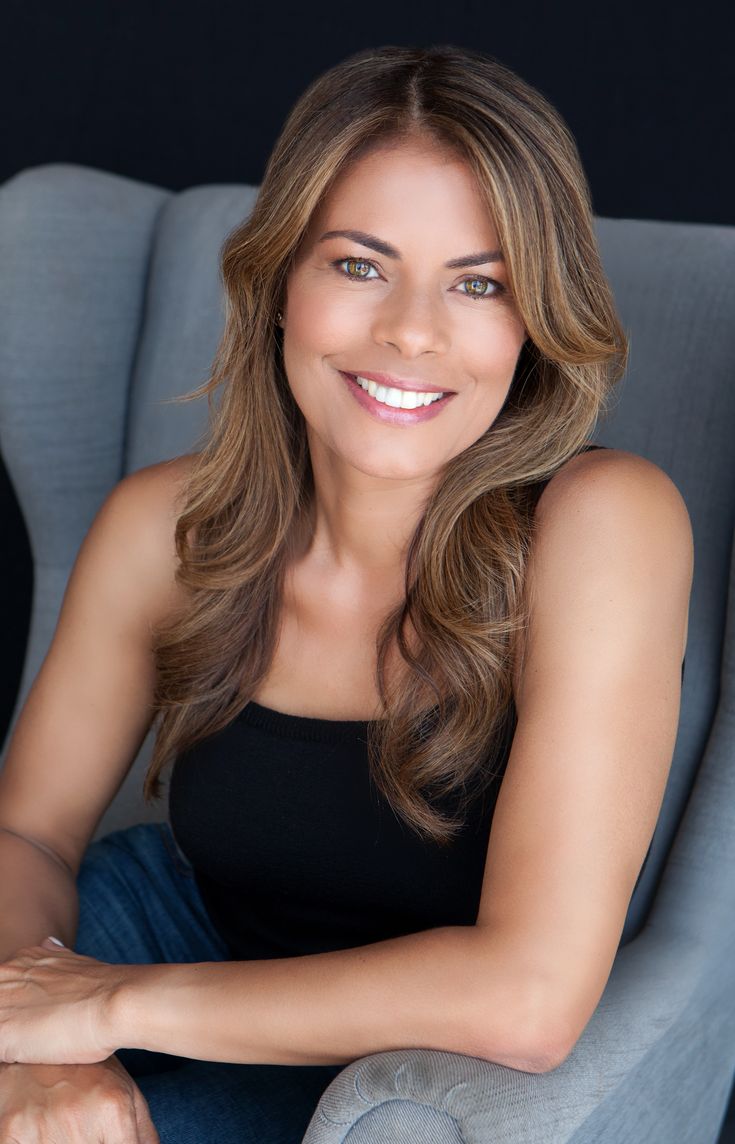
[41, 1104]
[55, 1007]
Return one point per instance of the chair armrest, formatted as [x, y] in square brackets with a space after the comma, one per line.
[654, 1063]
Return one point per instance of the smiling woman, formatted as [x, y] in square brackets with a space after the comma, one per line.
[395, 600]
[410, 237]
[454, 338]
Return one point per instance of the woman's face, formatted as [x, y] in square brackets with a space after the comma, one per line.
[386, 300]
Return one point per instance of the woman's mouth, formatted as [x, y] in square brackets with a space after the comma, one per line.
[393, 405]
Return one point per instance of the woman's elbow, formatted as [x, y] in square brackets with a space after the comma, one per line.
[530, 1057]
[535, 1043]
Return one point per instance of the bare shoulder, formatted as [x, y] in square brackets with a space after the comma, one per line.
[605, 476]
[154, 496]
[144, 507]
[156, 491]
[609, 520]
[611, 488]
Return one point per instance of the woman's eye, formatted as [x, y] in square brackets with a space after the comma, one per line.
[481, 287]
[357, 268]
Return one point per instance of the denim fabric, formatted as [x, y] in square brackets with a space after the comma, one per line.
[139, 904]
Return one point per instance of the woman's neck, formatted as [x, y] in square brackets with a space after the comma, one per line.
[359, 527]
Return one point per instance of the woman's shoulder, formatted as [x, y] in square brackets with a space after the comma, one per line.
[609, 525]
[608, 507]
[159, 482]
[160, 486]
[602, 478]
[155, 495]
[147, 504]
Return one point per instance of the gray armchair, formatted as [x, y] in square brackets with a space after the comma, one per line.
[110, 303]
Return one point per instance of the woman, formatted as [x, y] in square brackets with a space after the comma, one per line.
[355, 615]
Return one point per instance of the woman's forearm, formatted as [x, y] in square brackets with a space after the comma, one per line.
[425, 990]
[38, 896]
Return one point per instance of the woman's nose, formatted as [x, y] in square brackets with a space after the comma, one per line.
[413, 322]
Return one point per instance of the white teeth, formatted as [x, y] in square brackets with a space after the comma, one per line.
[397, 398]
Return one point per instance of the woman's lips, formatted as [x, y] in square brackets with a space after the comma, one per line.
[397, 382]
[389, 413]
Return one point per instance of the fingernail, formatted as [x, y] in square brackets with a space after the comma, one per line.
[56, 941]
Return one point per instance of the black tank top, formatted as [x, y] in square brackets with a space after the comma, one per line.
[293, 849]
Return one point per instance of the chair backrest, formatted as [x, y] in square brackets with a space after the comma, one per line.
[110, 303]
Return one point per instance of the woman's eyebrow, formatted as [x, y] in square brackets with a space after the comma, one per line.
[389, 251]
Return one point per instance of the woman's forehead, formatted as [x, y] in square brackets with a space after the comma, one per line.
[402, 192]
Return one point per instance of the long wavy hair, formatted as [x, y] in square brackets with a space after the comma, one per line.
[449, 711]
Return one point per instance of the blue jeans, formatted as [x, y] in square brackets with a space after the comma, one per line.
[139, 904]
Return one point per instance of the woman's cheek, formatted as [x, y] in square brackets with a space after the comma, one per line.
[323, 319]
[497, 359]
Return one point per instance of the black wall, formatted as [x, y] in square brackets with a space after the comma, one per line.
[180, 93]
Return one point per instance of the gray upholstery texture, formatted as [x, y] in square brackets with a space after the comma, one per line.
[110, 304]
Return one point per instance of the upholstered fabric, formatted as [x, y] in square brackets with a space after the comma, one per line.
[110, 304]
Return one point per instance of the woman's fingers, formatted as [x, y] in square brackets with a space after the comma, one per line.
[73, 1104]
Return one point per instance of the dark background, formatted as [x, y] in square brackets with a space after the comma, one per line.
[181, 93]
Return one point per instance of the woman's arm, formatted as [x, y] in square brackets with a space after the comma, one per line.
[424, 990]
[38, 894]
[598, 705]
[89, 707]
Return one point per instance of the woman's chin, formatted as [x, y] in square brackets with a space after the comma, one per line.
[396, 469]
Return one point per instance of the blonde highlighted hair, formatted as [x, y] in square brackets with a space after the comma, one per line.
[450, 711]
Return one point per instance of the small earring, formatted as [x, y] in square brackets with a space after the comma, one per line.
[279, 317]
